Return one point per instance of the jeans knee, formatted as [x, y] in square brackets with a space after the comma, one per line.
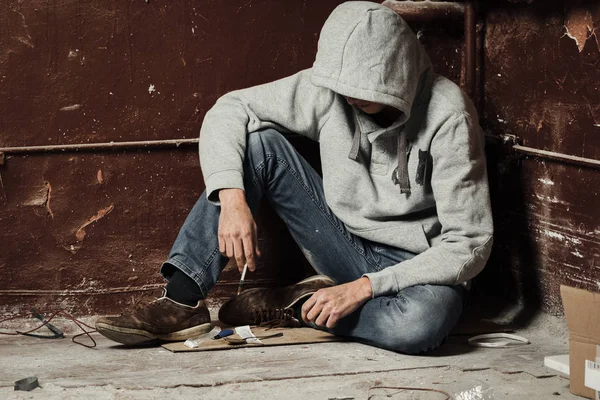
[423, 319]
[413, 336]
[267, 141]
[414, 342]
[263, 148]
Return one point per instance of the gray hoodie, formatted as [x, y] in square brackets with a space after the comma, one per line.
[419, 184]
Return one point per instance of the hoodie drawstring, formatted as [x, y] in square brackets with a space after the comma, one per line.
[355, 141]
[402, 171]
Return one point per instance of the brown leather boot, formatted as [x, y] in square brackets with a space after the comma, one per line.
[156, 318]
[260, 306]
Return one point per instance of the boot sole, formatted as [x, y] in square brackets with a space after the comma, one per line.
[132, 337]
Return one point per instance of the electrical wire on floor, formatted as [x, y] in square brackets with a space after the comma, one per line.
[57, 334]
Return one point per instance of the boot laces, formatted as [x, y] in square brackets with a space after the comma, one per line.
[142, 302]
[275, 317]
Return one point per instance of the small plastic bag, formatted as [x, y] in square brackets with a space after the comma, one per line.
[478, 392]
[195, 342]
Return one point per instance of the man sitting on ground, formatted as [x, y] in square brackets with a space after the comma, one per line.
[397, 225]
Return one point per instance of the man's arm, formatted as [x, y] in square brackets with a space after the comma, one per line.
[289, 104]
[460, 186]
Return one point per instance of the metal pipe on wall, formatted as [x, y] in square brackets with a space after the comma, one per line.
[513, 142]
[551, 155]
[427, 11]
[470, 66]
[98, 146]
[413, 11]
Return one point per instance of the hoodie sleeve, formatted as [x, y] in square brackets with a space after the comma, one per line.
[460, 187]
[290, 104]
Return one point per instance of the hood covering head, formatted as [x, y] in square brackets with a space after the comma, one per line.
[367, 51]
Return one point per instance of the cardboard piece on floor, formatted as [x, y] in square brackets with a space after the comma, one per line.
[468, 325]
[582, 310]
[291, 336]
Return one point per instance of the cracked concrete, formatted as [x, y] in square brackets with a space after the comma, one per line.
[318, 371]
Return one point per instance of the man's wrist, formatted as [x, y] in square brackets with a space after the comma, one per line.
[231, 196]
[366, 291]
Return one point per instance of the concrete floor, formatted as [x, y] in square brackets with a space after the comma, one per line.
[318, 371]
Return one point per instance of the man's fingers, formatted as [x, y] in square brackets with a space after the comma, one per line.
[314, 312]
[322, 318]
[229, 248]
[221, 244]
[308, 304]
[237, 232]
[249, 253]
[255, 239]
[332, 321]
[238, 250]
[221, 236]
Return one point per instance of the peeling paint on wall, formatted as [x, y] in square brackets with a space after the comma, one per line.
[4, 198]
[71, 108]
[46, 202]
[536, 90]
[80, 231]
[561, 237]
[542, 78]
[552, 199]
[579, 25]
[576, 253]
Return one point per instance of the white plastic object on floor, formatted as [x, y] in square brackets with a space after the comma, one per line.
[193, 343]
[514, 340]
[558, 363]
[246, 333]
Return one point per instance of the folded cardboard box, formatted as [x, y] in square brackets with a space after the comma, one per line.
[582, 310]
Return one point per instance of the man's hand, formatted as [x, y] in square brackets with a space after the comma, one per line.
[328, 306]
[237, 229]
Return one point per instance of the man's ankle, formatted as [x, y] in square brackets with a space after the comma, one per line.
[183, 289]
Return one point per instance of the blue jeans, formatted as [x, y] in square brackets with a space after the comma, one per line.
[415, 320]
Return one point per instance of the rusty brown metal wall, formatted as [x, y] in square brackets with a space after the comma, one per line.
[542, 75]
[87, 231]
